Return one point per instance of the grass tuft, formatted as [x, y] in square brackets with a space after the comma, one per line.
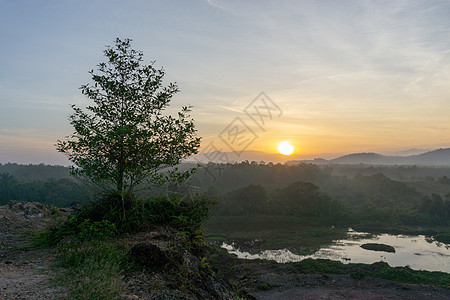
[94, 270]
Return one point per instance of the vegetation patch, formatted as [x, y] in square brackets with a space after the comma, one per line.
[379, 270]
[378, 247]
[443, 237]
[272, 232]
[94, 269]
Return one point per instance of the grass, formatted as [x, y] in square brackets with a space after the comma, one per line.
[300, 235]
[378, 270]
[226, 263]
[91, 258]
[94, 270]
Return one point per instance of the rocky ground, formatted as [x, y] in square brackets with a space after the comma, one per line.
[26, 273]
[170, 272]
[164, 272]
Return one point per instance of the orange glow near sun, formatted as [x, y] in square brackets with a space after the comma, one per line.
[285, 148]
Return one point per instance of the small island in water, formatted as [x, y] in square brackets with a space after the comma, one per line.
[378, 247]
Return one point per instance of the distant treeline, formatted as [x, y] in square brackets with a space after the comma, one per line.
[309, 190]
[304, 199]
[335, 195]
[297, 199]
[35, 172]
[61, 192]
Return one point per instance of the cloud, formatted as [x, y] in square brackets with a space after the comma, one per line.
[231, 109]
[213, 3]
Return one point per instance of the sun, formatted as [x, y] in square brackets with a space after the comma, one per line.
[285, 148]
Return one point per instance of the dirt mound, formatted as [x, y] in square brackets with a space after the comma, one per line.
[169, 270]
[24, 271]
[19, 219]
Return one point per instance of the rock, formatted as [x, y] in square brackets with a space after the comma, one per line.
[191, 262]
[378, 247]
[28, 209]
[149, 255]
[162, 237]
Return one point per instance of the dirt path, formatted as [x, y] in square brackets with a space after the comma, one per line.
[24, 273]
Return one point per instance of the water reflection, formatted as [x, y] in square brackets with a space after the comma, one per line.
[417, 252]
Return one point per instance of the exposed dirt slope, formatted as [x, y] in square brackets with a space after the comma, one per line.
[24, 273]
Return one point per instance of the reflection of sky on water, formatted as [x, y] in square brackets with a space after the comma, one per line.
[417, 252]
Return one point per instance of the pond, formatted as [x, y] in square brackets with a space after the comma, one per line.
[418, 252]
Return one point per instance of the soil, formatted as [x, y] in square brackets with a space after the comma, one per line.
[25, 272]
[268, 281]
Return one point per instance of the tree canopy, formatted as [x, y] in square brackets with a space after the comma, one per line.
[123, 138]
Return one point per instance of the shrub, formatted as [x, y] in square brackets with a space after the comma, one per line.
[113, 214]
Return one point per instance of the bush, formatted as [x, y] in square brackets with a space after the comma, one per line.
[77, 231]
[94, 265]
[113, 214]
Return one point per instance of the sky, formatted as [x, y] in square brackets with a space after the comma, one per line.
[331, 77]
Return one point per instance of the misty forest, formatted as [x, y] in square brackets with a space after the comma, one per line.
[394, 198]
[302, 208]
[136, 216]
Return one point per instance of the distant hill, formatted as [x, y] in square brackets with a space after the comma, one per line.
[437, 157]
[223, 157]
[433, 158]
[364, 158]
[409, 152]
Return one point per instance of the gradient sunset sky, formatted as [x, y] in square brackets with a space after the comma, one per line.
[341, 76]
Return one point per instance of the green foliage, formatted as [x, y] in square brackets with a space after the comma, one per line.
[134, 214]
[76, 231]
[435, 206]
[123, 139]
[320, 266]
[379, 270]
[94, 270]
[237, 175]
[60, 192]
[361, 196]
[42, 172]
[297, 199]
[443, 237]
[113, 214]
[194, 241]
[93, 265]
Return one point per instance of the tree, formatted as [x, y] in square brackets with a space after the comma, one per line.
[124, 139]
[7, 184]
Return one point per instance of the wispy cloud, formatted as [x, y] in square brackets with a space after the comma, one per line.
[215, 4]
[231, 109]
[345, 68]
